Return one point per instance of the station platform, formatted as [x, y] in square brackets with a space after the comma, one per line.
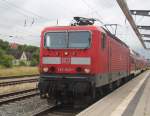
[131, 99]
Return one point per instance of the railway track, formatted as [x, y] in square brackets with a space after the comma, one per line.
[15, 96]
[16, 77]
[14, 81]
[53, 110]
[7, 101]
[42, 111]
[22, 96]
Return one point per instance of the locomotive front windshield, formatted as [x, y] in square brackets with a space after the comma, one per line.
[72, 39]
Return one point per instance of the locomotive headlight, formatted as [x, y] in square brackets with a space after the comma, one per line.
[86, 70]
[66, 53]
[45, 69]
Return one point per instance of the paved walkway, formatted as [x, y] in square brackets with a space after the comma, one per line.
[143, 106]
[132, 99]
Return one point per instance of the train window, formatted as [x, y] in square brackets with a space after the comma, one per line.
[79, 39]
[72, 39]
[103, 41]
[55, 40]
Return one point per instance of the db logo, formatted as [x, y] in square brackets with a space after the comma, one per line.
[66, 60]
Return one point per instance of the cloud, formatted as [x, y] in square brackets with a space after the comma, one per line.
[17, 17]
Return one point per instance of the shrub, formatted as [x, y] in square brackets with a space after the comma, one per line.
[6, 61]
[1, 51]
[22, 63]
[34, 62]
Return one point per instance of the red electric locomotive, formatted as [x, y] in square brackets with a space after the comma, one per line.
[77, 61]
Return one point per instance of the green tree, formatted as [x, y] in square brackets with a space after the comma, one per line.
[6, 61]
[27, 48]
[4, 45]
[1, 52]
[1, 56]
[34, 62]
[36, 55]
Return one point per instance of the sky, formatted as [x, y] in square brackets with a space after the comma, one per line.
[21, 21]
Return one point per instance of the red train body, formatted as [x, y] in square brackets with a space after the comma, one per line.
[137, 63]
[77, 60]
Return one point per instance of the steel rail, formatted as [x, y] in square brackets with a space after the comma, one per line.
[12, 97]
[16, 77]
[19, 81]
[44, 110]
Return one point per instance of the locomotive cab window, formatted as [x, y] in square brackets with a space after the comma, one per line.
[55, 40]
[79, 39]
[71, 39]
[103, 40]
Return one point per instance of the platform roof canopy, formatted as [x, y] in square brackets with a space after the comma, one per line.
[138, 28]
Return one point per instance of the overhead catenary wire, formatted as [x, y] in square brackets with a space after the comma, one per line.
[93, 10]
[26, 13]
[5, 6]
[97, 13]
[21, 19]
[34, 16]
[25, 10]
[29, 13]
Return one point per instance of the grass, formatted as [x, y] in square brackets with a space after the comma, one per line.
[18, 71]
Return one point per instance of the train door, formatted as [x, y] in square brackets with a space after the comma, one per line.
[109, 56]
[128, 63]
[110, 64]
[104, 55]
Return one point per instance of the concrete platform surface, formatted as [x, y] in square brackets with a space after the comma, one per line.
[143, 106]
[131, 99]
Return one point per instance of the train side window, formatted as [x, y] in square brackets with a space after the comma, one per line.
[103, 41]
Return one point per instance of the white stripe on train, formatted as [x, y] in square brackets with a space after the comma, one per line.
[74, 60]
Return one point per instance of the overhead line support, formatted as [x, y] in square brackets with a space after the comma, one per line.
[127, 13]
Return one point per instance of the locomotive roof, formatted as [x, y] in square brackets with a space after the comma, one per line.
[57, 28]
[87, 27]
